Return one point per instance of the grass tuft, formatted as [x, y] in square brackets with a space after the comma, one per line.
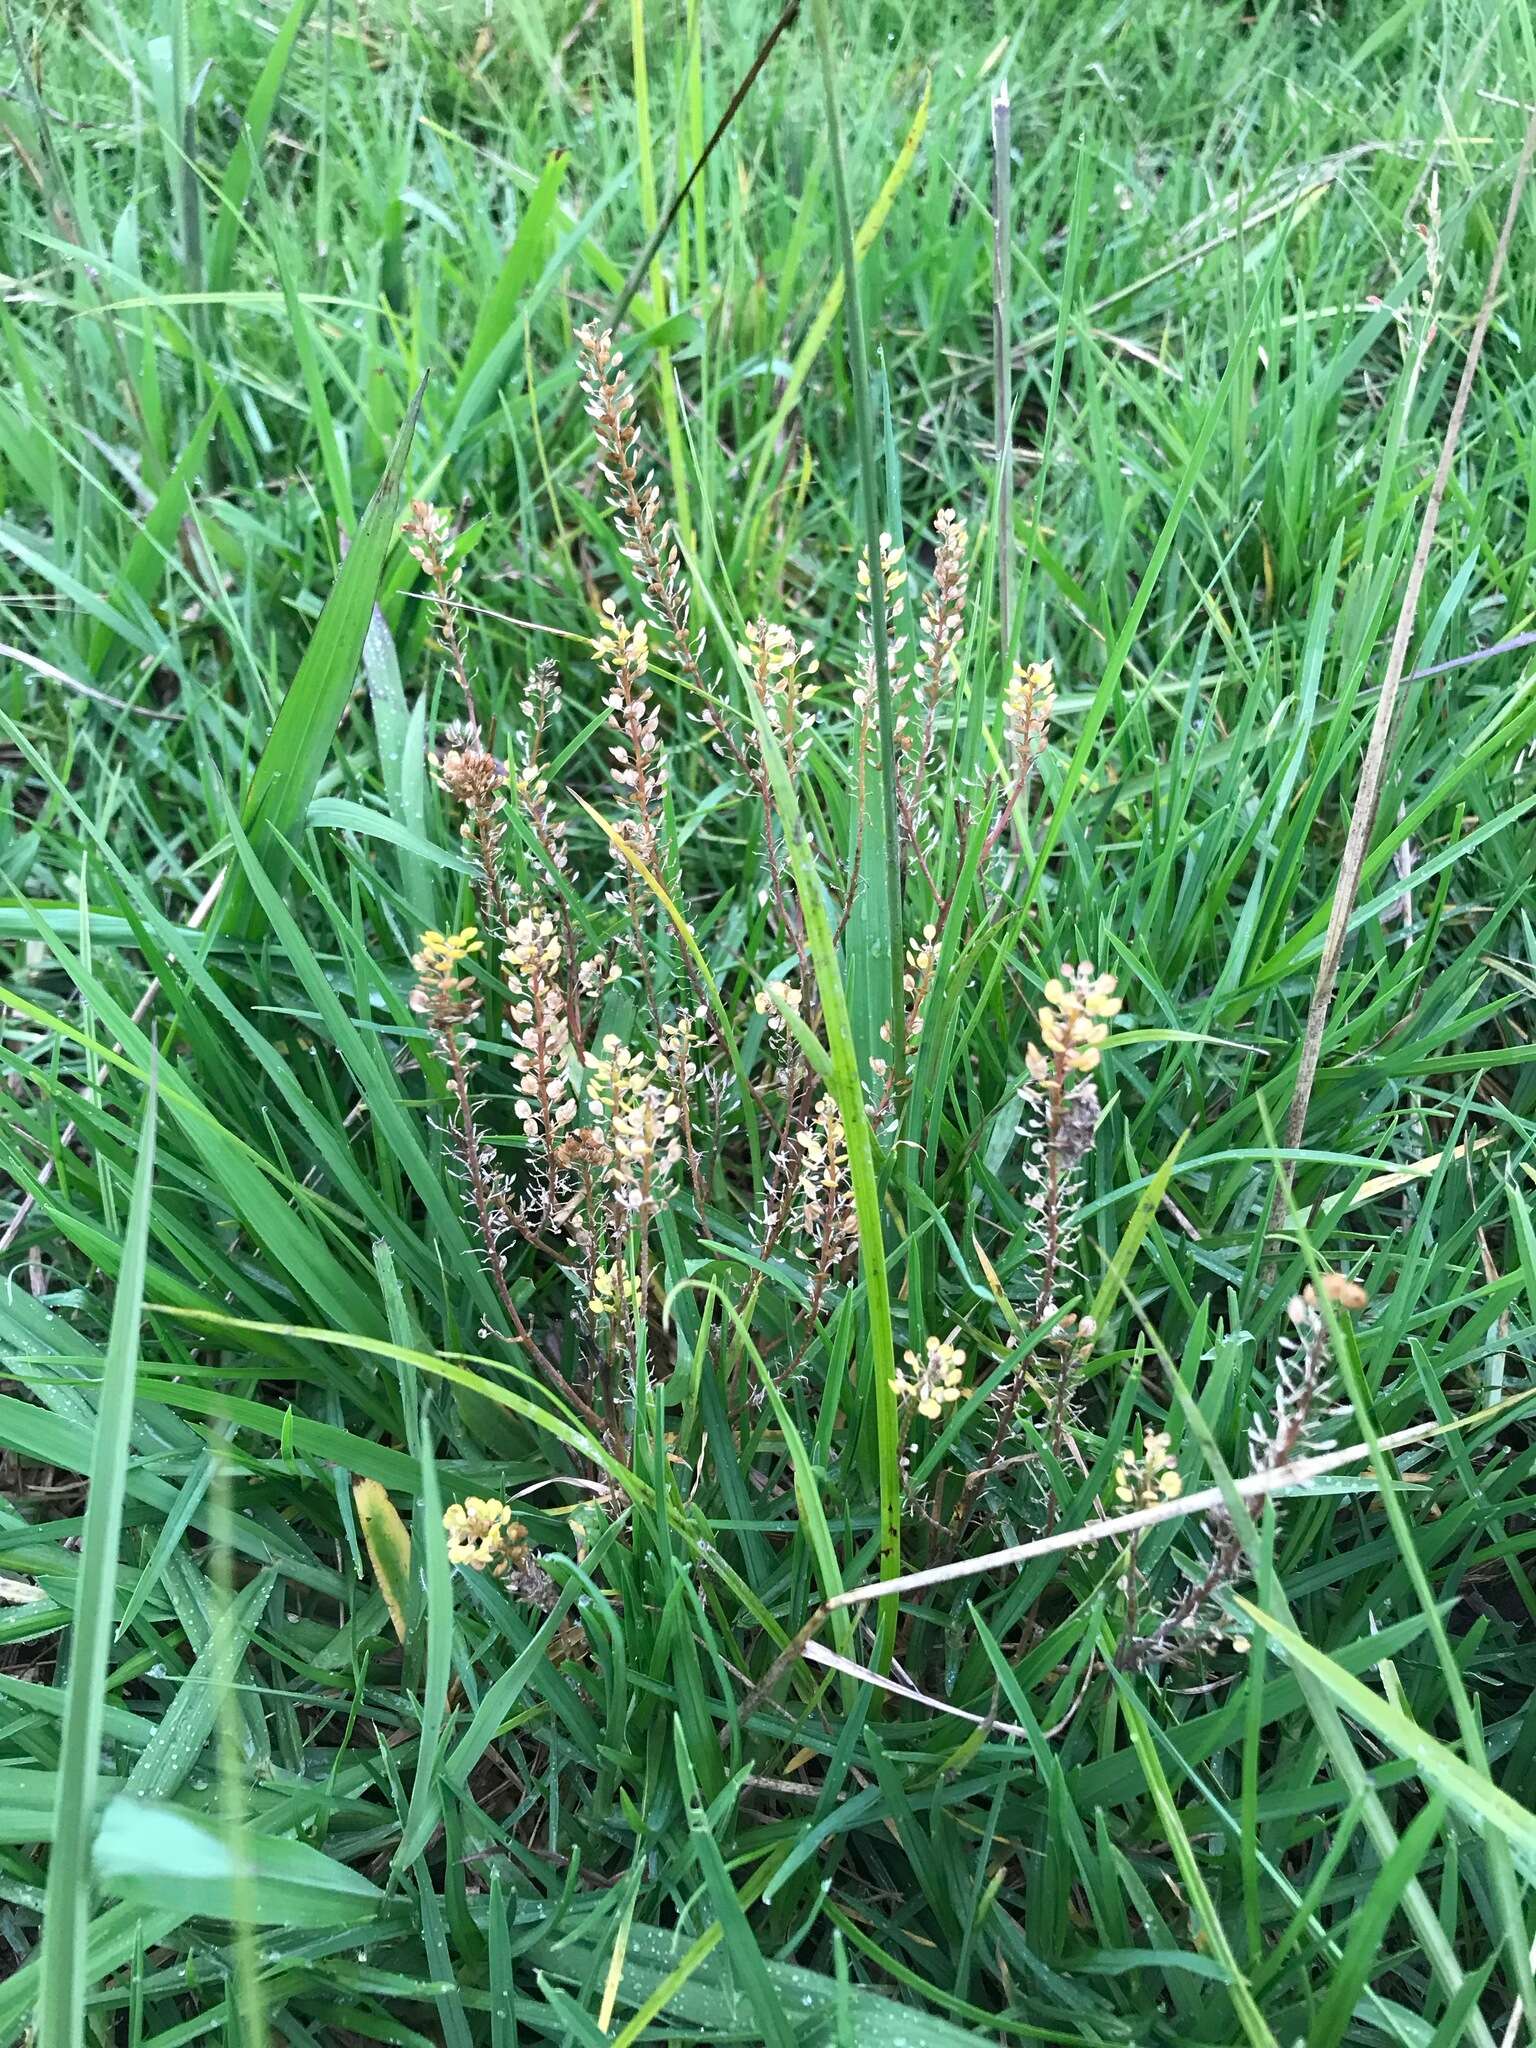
[705, 723]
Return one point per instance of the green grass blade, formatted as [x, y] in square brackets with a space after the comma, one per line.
[1473, 1794]
[886, 929]
[246, 153]
[67, 1910]
[290, 764]
[437, 1576]
[496, 332]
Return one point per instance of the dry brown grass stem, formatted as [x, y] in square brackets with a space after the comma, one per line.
[1363, 819]
[1002, 356]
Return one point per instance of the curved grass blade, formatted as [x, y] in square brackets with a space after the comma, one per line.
[1484, 1805]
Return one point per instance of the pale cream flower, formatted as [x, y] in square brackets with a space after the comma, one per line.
[533, 959]
[613, 1288]
[943, 621]
[482, 1534]
[783, 673]
[1074, 1022]
[1141, 1481]
[893, 583]
[932, 1380]
[824, 1206]
[922, 959]
[638, 1116]
[1028, 704]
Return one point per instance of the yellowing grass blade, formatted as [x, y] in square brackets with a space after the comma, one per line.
[388, 1543]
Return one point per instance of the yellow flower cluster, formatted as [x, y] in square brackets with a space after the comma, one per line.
[445, 952]
[932, 1380]
[482, 1535]
[1142, 1481]
[1074, 1022]
[613, 1291]
[442, 992]
[620, 647]
[1029, 700]
[783, 672]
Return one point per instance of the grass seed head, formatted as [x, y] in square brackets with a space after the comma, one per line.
[444, 994]
[1029, 703]
[933, 1379]
[1144, 1478]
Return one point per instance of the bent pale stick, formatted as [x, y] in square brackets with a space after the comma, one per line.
[1378, 751]
[1109, 1528]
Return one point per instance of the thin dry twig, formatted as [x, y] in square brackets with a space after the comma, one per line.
[1363, 820]
[1002, 295]
[59, 675]
[834, 1662]
[1109, 1529]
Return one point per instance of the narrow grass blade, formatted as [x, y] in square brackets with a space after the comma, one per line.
[1002, 354]
[145, 563]
[246, 153]
[745, 1958]
[1118, 1269]
[67, 1910]
[496, 330]
[885, 932]
[422, 1815]
[290, 764]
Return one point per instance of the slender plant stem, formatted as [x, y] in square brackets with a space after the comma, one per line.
[1002, 382]
[864, 430]
[247, 1994]
[1378, 752]
[61, 2011]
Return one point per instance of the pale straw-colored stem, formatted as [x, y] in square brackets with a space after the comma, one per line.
[1108, 1529]
[1362, 821]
